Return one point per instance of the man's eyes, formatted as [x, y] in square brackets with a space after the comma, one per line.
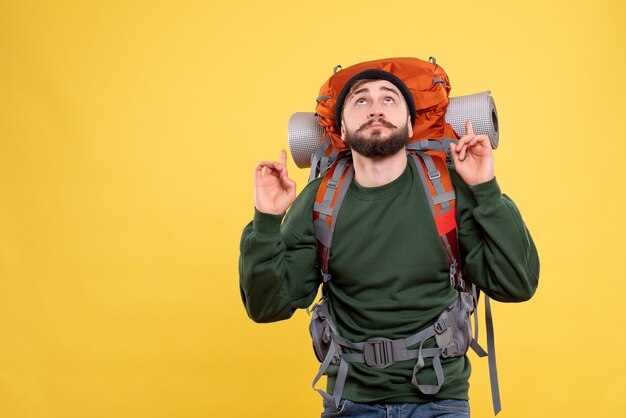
[363, 101]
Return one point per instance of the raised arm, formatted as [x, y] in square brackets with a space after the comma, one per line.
[277, 272]
[499, 253]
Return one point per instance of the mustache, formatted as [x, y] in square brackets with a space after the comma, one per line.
[369, 123]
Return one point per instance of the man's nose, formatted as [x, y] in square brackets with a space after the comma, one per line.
[376, 111]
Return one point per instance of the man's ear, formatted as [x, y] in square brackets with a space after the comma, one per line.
[409, 127]
[343, 130]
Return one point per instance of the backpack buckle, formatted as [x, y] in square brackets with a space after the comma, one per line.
[450, 351]
[378, 352]
[440, 326]
[453, 274]
[433, 175]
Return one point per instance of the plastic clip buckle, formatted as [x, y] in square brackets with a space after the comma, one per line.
[450, 351]
[378, 353]
[440, 326]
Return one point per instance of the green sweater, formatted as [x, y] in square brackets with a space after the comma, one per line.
[390, 272]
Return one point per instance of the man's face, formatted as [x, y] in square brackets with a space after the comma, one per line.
[375, 121]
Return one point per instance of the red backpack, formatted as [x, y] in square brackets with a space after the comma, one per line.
[429, 150]
[430, 87]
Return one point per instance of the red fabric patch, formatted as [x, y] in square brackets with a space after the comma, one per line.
[446, 222]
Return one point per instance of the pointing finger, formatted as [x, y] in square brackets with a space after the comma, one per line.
[468, 128]
[283, 163]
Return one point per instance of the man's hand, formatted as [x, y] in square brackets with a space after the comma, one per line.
[473, 157]
[274, 191]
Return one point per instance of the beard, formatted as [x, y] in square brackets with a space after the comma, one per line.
[376, 146]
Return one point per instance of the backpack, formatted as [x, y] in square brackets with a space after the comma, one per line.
[429, 150]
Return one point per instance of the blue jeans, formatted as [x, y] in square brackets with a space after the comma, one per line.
[448, 408]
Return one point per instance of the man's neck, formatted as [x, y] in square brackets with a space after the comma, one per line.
[373, 172]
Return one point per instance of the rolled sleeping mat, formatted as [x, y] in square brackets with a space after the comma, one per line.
[305, 133]
[480, 109]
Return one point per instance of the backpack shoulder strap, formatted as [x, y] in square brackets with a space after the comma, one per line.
[432, 169]
[431, 166]
[329, 197]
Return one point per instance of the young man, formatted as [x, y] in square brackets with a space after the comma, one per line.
[390, 272]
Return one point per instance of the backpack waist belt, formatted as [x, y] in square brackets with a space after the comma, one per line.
[451, 331]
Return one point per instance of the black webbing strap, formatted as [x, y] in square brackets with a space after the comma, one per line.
[493, 371]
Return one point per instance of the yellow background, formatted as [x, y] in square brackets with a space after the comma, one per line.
[128, 135]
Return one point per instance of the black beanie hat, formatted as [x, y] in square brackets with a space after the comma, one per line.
[374, 74]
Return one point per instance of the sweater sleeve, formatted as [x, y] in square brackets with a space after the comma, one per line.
[499, 254]
[277, 263]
